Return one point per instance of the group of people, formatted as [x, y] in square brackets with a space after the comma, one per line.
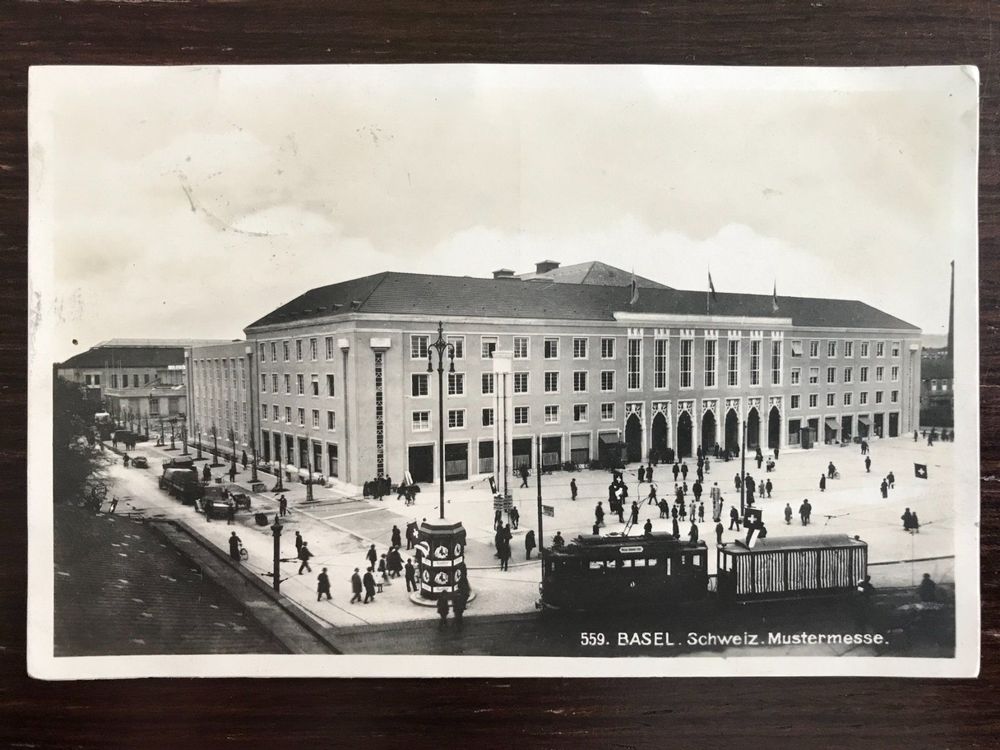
[910, 521]
[888, 483]
[378, 487]
[932, 436]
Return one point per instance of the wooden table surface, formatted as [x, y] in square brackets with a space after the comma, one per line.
[485, 713]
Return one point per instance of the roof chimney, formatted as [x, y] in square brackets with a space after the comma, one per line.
[544, 266]
[503, 273]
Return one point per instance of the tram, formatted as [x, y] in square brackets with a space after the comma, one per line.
[624, 572]
[656, 571]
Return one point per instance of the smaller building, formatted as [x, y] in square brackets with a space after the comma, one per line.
[937, 392]
[219, 410]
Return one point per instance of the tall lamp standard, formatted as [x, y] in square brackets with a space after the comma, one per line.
[252, 383]
[309, 463]
[197, 429]
[441, 346]
[743, 471]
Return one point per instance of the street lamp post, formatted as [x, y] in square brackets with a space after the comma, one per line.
[743, 471]
[232, 455]
[159, 438]
[441, 346]
[184, 439]
[252, 383]
[197, 428]
[173, 445]
[276, 532]
[309, 467]
[215, 446]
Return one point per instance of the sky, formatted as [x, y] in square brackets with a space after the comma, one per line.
[188, 202]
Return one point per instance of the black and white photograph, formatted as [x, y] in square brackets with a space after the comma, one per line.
[503, 370]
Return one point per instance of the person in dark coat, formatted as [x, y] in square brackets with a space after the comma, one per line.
[497, 519]
[738, 482]
[557, 541]
[232, 473]
[298, 542]
[372, 555]
[459, 603]
[684, 470]
[804, 511]
[504, 551]
[322, 585]
[619, 508]
[369, 582]
[718, 532]
[383, 569]
[647, 528]
[356, 587]
[701, 512]
[410, 573]
[523, 472]
[206, 474]
[395, 538]
[693, 533]
[572, 489]
[927, 590]
[442, 608]
[515, 516]
[831, 470]
[243, 460]
[599, 514]
[283, 505]
[862, 604]
[891, 479]
[788, 514]
[768, 487]
[676, 470]
[642, 473]
[304, 555]
[635, 513]
[676, 528]
[884, 488]
[696, 490]
[734, 519]
[868, 464]
[234, 547]
[822, 482]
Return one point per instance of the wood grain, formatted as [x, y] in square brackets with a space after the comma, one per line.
[490, 713]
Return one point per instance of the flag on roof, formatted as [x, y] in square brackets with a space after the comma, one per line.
[634, 287]
[711, 287]
[774, 298]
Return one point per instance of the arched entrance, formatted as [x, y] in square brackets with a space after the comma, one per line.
[753, 429]
[684, 428]
[633, 439]
[732, 431]
[659, 432]
[773, 428]
[708, 431]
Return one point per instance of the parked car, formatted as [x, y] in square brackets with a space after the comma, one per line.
[140, 462]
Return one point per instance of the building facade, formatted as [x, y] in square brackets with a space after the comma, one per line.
[342, 374]
[219, 396]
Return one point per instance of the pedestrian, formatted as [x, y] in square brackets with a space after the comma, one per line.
[232, 473]
[635, 514]
[523, 471]
[664, 508]
[907, 519]
[822, 482]
[804, 513]
[322, 584]
[684, 470]
[504, 554]
[759, 459]
[647, 528]
[411, 535]
[304, 555]
[372, 555]
[572, 489]
[557, 541]
[394, 561]
[529, 543]
[701, 512]
[243, 460]
[599, 514]
[831, 470]
[113, 506]
[676, 470]
[891, 479]
[693, 533]
[497, 519]
[675, 528]
[283, 505]
[776, 453]
[619, 508]
[515, 516]
[410, 573]
[682, 509]
[862, 604]
[927, 590]
[395, 537]
[642, 473]
[383, 569]
[369, 581]
[355, 587]
[206, 474]
[884, 489]
[696, 490]
[738, 482]
[125, 460]
[868, 464]
[768, 487]
[718, 532]
[442, 608]
[298, 542]
[460, 602]
[234, 546]
[788, 514]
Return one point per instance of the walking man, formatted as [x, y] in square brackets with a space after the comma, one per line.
[371, 554]
[243, 460]
[322, 583]
[868, 464]
[410, 573]
[529, 543]
[572, 489]
[718, 533]
[442, 608]
[395, 538]
[369, 582]
[599, 514]
[788, 514]
[232, 473]
[734, 519]
[524, 476]
[642, 473]
[355, 586]
[515, 516]
[635, 513]
[304, 555]
[283, 505]
[298, 542]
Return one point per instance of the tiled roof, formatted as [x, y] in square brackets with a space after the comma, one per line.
[418, 294]
[593, 272]
[126, 356]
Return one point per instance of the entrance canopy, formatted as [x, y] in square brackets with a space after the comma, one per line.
[831, 422]
[865, 420]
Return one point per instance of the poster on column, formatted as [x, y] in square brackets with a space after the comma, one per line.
[585, 370]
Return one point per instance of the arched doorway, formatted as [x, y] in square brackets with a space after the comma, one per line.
[732, 431]
[773, 428]
[659, 433]
[708, 431]
[684, 429]
[633, 439]
[753, 429]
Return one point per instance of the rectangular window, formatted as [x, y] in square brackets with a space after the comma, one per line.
[302, 417]
[795, 401]
[755, 361]
[329, 347]
[300, 384]
[520, 347]
[863, 375]
[331, 420]
[262, 350]
[607, 380]
[135, 380]
[864, 348]
[579, 412]
[456, 384]
[274, 382]
[608, 412]
[894, 373]
[419, 384]
[796, 375]
[520, 382]
[879, 374]
[607, 348]
[315, 417]
[487, 347]
[710, 358]
[894, 397]
[879, 348]
[776, 362]
[661, 351]
[456, 419]
[263, 411]
[552, 382]
[580, 381]
[814, 349]
[288, 384]
[813, 400]
[274, 351]
[551, 348]
[487, 417]
[634, 364]
[420, 421]
[895, 348]
[831, 399]
[488, 384]
[520, 415]
[274, 412]
[298, 349]
[687, 345]
[797, 348]
[313, 352]
[418, 348]
[288, 414]
[458, 345]
[286, 350]
[579, 348]
[863, 398]
[551, 414]
[848, 374]
[315, 385]
[831, 348]
[831, 374]
[847, 399]
[331, 386]
[263, 383]
[813, 375]
[734, 362]
[848, 348]
[878, 397]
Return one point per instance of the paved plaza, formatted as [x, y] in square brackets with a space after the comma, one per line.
[340, 525]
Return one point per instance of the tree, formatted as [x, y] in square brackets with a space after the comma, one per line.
[77, 461]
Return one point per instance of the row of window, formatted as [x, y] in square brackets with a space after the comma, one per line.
[847, 347]
[420, 420]
[847, 399]
[273, 413]
[96, 380]
[847, 375]
[299, 345]
[271, 379]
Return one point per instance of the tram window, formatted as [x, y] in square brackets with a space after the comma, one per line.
[667, 561]
[639, 563]
[696, 561]
[651, 562]
[596, 564]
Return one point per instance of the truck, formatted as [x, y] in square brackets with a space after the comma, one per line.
[182, 484]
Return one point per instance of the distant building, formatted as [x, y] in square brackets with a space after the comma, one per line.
[937, 375]
[219, 406]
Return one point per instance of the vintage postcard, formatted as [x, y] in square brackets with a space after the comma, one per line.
[481, 370]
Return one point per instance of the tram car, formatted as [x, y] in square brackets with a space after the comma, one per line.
[791, 568]
[624, 572]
